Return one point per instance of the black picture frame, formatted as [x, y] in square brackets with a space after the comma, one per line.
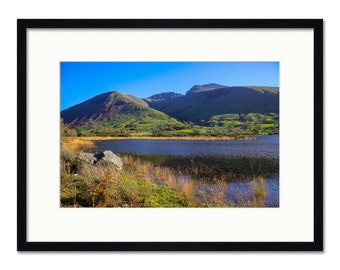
[25, 24]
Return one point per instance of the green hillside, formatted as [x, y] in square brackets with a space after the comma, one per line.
[205, 101]
[205, 110]
[113, 111]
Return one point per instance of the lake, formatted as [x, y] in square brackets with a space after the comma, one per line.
[232, 161]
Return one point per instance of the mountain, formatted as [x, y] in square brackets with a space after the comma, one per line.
[163, 100]
[205, 87]
[202, 102]
[208, 105]
[115, 110]
[164, 97]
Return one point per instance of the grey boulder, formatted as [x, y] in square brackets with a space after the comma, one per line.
[107, 156]
[88, 157]
[111, 157]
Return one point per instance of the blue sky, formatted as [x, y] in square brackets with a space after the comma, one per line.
[80, 81]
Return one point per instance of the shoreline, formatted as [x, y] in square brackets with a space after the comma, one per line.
[111, 138]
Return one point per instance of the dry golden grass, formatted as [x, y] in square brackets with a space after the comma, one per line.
[106, 138]
[142, 184]
[76, 144]
[259, 190]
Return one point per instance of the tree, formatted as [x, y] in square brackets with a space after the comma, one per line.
[66, 131]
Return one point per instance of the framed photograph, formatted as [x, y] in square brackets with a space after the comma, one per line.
[170, 135]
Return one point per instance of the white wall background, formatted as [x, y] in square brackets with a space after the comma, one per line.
[11, 10]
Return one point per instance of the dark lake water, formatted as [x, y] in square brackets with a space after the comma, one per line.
[263, 146]
[235, 161]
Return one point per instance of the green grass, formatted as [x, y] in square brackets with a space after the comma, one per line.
[232, 125]
[161, 196]
[246, 124]
[141, 134]
[184, 131]
[237, 123]
[267, 125]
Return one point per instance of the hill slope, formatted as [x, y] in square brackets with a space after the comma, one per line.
[164, 97]
[115, 110]
[202, 102]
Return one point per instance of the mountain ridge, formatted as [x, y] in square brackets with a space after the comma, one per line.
[204, 87]
[114, 109]
[205, 101]
[201, 104]
[164, 96]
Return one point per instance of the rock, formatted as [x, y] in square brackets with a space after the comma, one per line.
[111, 157]
[88, 157]
[107, 156]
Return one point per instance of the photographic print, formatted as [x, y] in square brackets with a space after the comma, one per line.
[169, 134]
[185, 135]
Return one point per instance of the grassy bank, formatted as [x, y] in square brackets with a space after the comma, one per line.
[140, 184]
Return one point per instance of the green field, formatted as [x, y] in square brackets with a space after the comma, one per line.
[235, 125]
